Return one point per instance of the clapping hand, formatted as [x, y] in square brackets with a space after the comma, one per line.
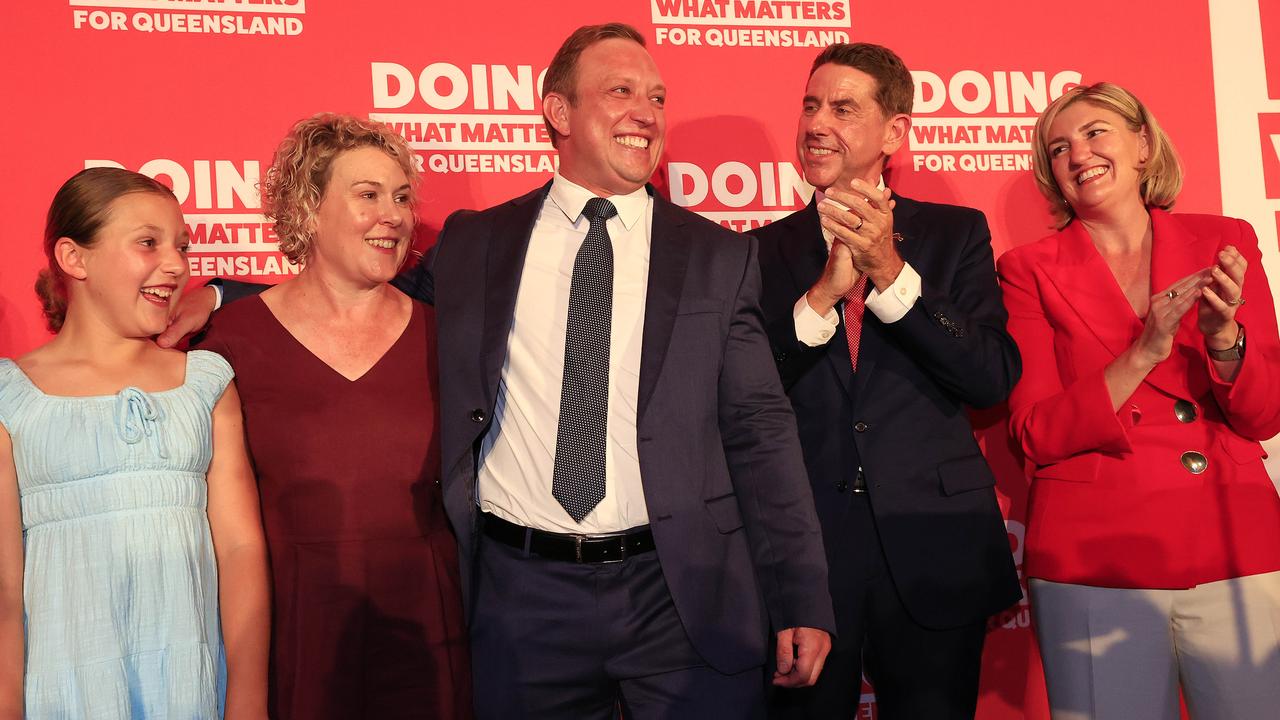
[1164, 316]
[862, 219]
[1220, 299]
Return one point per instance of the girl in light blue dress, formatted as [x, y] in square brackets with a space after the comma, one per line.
[126, 497]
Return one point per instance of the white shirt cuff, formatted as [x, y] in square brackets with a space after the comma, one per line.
[813, 329]
[217, 291]
[898, 299]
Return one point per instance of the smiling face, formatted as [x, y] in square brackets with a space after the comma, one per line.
[843, 132]
[135, 270]
[612, 132]
[1096, 159]
[363, 226]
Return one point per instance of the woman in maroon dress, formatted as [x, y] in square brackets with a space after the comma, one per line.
[336, 371]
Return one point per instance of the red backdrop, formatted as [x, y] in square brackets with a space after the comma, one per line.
[199, 92]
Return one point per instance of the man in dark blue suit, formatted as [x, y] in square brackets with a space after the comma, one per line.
[621, 464]
[886, 322]
[657, 592]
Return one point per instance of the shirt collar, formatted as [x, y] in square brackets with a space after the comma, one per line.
[571, 198]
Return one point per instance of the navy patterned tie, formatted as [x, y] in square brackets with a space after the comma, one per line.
[578, 480]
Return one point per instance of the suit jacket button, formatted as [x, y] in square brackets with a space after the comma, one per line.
[478, 416]
[1185, 411]
[861, 426]
[1194, 462]
[780, 357]
[842, 485]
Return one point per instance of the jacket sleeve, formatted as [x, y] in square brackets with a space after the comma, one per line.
[959, 337]
[233, 290]
[792, 357]
[1050, 420]
[418, 282]
[762, 448]
[1251, 403]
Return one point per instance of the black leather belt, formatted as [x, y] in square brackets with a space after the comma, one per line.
[608, 548]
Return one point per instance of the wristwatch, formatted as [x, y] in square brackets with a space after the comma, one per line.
[1235, 352]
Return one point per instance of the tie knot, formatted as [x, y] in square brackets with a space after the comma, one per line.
[599, 208]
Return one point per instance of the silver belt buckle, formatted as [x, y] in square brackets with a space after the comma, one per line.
[622, 551]
[622, 548]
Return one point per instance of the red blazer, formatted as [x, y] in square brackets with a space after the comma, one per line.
[1112, 503]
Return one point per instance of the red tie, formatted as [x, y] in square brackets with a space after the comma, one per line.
[854, 305]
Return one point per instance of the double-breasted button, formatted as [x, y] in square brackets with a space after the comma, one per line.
[478, 415]
[861, 426]
[1194, 462]
[1185, 411]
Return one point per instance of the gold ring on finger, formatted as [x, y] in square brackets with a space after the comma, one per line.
[1237, 301]
[1172, 294]
[859, 226]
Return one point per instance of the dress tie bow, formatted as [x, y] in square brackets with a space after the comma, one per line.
[138, 417]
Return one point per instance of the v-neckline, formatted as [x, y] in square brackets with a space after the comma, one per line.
[413, 311]
[1118, 289]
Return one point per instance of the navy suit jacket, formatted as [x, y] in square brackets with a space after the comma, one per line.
[902, 415]
[724, 480]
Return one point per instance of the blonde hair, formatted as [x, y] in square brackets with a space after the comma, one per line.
[79, 210]
[1160, 178]
[295, 183]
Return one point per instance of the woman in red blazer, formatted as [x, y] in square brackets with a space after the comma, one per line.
[1153, 537]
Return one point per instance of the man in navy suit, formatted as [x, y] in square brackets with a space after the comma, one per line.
[660, 598]
[886, 322]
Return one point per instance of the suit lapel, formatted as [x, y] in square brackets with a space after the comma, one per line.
[503, 265]
[669, 247]
[803, 250]
[805, 255]
[1091, 291]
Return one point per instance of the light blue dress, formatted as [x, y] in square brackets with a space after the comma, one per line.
[120, 581]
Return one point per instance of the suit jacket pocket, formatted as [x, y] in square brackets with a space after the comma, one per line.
[1079, 468]
[725, 512]
[1240, 449]
[965, 474]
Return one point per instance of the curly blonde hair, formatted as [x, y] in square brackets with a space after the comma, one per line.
[1161, 176]
[295, 183]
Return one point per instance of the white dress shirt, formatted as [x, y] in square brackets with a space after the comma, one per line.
[890, 306]
[517, 455]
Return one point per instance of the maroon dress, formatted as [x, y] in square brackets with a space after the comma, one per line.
[367, 618]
